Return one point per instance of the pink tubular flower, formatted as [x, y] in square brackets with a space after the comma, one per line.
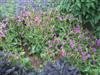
[81, 36]
[59, 18]
[88, 55]
[37, 19]
[84, 56]
[3, 25]
[63, 53]
[53, 41]
[2, 34]
[19, 19]
[72, 43]
[61, 47]
[3, 28]
[94, 50]
[49, 42]
[77, 29]
[79, 47]
[58, 41]
[98, 42]
[50, 46]
[64, 42]
[25, 13]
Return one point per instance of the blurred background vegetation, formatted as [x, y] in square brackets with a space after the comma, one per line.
[87, 10]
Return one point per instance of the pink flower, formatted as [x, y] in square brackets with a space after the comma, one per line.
[58, 41]
[50, 46]
[94, 50]
[88, 55]
[63, 53]
[53, 41]
[3, 25]
[98, 42]
[37, 19]
[2, 34]
[59, 18]
[19, 19]
[77, 29]
[79, 47]
[84, 56]
[81, 36]
[49, 42]
[72, 43]
[25, 13]
[64, 42]
[61, 47]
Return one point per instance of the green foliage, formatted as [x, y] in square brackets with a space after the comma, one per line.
[87, 10]
[59, 44]
[25, 38]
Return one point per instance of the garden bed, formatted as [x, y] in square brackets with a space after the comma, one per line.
[35, 39]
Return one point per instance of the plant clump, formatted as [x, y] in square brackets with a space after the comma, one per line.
[7, 67]
[60, 67]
